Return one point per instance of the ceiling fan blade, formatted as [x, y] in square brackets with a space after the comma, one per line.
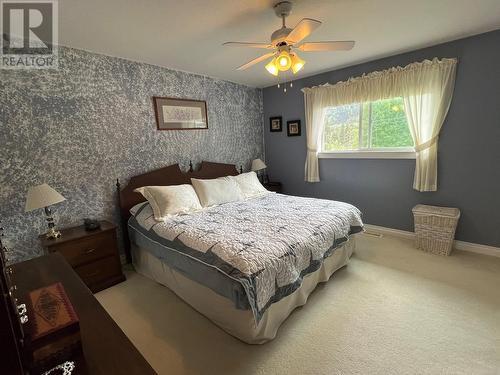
[303, 29]
[255, 61]
[248, 44]
[327, 46]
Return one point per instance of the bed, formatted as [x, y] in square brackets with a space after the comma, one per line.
[245, 265]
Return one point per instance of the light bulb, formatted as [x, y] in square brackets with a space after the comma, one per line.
[297, 63]
[284, 61]
[272, 68]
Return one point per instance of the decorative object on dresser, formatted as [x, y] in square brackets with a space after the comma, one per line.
[293, 128]
[43, 196]
[276, 124]
[180, 114]
[273, 186]
[93, 254]
[435, 228]
[258, 166]
[53, 332]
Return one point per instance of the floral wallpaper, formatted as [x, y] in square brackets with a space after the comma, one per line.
[92, 121]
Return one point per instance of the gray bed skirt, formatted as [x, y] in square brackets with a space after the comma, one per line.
[236, 319]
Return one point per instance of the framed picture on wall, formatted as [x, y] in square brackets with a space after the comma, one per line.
[293, 128]
[180, 114]
[276, 124]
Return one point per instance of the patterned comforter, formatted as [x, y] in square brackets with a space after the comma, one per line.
[268, 244]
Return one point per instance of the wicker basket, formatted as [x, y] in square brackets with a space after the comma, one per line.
[435, 228]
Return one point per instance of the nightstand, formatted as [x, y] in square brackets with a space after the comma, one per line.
[273, 186]
[92, 254]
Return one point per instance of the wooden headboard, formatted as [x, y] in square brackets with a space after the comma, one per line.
[171, 175]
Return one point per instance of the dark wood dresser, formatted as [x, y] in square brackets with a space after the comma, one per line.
[92, 254]
[106, 349]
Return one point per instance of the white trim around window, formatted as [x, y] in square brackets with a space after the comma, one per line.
[400, 153]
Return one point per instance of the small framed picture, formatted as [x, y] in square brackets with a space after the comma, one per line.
[293, 128]
[276, 124]
[180, 114]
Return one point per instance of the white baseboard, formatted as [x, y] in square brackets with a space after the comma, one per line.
[458, 245]
[389, 231]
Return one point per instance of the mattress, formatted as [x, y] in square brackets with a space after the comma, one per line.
[254, 252]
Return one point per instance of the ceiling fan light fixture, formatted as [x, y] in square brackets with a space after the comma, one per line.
[284, 61]
[297, 63]
[285, 41]
[272, 68]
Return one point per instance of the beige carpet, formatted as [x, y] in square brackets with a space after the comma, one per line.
[392, 310]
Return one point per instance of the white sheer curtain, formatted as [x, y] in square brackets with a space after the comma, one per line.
[427, 89]
[315, 116]
[427, 94]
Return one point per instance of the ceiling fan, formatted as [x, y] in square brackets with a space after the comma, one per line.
[285, 41]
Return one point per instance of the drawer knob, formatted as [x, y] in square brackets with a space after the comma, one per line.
[21, 309]
[89, 251]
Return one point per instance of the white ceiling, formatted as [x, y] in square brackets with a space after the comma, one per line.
[188, 34]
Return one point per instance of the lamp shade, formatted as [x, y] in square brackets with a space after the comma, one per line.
[258, 164]
[42, 196]
[272, 68]
[297, 63]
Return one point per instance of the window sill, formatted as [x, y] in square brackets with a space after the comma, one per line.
[406, 154]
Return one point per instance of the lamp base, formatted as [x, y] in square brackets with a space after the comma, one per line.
[52, 234]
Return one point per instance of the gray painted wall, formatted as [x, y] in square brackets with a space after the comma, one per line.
[469, 147]
[81, 127]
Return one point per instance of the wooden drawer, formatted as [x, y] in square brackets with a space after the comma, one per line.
[87, 249]
[99, 274]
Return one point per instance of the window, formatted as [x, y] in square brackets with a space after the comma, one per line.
[371, 127]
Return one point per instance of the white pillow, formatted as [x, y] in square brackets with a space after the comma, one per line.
[133, 211]
[249, 184]
[170, 200]
[217, 191]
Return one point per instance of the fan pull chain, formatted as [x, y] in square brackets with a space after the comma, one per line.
[290, 84]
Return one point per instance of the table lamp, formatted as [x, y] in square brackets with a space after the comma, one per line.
[257, 166]
[43, 196]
